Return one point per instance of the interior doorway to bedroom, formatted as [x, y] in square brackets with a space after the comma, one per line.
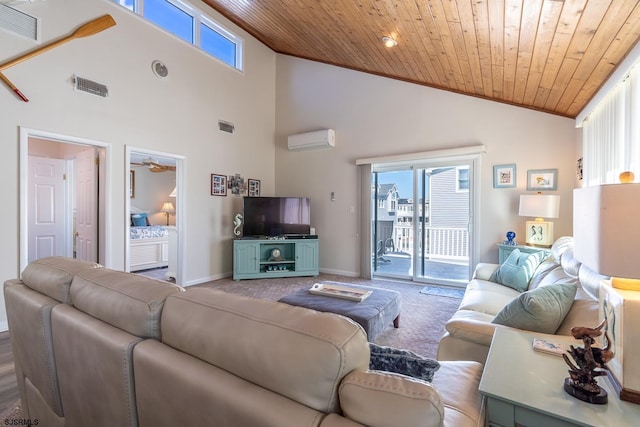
[62, 207]
[154, 227]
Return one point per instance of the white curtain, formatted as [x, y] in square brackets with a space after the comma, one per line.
[611, 136]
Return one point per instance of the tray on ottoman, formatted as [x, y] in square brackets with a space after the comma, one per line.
[380, 309]
[340, 291]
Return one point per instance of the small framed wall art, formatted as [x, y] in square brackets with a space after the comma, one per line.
[132, 184]
[254, 187]
[542, 179]
[218, 185]
[504, 176]
[236, 184]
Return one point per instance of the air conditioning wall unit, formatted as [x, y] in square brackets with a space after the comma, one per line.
[324, 138]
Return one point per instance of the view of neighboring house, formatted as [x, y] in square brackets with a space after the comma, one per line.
[445, 219]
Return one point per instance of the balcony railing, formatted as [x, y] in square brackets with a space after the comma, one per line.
[442, 242]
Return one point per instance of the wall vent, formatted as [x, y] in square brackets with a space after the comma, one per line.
[226, 126]
[89, 86]
[18, 22]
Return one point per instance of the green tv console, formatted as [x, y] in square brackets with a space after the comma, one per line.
[262, 258]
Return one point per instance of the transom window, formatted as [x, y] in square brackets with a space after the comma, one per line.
[184, 21]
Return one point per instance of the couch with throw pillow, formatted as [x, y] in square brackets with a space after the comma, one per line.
[526, 292]
[98, 347]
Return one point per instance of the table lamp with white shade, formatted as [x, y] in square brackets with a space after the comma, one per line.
[606, 232]
[539, 232]
[168, 208]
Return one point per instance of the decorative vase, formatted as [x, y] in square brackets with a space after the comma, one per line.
[510, 239]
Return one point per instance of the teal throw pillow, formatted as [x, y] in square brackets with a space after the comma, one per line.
[517, 270]
[403, 362]
[139, 219]
[539, 310]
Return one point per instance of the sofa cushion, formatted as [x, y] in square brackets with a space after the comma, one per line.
[127, 301]
[517, 270]
[540, 310]
[547, 272]
[52, 276]
[403, 362]
[366, 396]
[458, 382]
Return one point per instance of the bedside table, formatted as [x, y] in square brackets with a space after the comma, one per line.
[505, 250]
[524, 387]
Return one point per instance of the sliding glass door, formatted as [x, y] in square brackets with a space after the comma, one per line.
[422, 216]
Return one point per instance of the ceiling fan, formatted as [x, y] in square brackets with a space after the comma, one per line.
[154, 166]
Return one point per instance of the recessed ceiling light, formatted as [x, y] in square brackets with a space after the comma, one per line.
[389, 42]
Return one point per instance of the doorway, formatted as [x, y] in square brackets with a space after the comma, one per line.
[62, 202]
[154, 246]
[422, 218]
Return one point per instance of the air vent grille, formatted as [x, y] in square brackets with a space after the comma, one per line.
[89, 86]
[226, 126]
[18, 22]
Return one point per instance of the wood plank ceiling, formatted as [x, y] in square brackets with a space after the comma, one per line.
[548, 55]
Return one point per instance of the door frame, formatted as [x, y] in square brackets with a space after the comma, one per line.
[105, 220]
[181, 167]
[471, 154]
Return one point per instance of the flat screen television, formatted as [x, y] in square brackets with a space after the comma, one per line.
[276, 216]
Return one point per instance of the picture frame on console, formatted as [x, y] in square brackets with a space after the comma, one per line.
[218, 185]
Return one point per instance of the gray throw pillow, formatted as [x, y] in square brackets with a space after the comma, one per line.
[404, 362]
[517, 270]
[539, 310]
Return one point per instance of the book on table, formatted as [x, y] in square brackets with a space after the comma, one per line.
[548, 347]
[340, 291]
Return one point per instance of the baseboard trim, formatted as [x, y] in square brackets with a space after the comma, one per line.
[340, 272]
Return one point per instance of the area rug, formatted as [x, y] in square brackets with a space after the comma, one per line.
[442, 291]
[422, 316]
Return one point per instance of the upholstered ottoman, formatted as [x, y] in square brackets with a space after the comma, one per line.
[374, 314]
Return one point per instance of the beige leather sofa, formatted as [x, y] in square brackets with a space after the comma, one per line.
[469, 331]
[97, 347]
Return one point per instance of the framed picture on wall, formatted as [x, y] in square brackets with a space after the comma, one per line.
[218, 185]
[504, 176]
[254, 187]
[542, 179]
[132, 184]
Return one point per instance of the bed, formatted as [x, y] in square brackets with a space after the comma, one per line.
[148, 244]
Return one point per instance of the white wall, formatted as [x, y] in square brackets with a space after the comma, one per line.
[176, 115]
[151, 191]
[374, 116]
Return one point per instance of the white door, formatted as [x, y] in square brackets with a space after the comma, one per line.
[46, 208]
[86, 232]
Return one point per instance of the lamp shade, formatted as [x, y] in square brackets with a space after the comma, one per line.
[539, 206]
[168, 208]
[606, 228]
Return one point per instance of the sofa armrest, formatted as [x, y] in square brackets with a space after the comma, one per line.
[484, 270]
[376, 398]
[472, 326]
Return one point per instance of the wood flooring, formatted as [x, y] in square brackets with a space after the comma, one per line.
[8, 385]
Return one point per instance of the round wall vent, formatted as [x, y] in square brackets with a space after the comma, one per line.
[159, 69]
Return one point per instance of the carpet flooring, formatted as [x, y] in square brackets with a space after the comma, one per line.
[422, 316]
